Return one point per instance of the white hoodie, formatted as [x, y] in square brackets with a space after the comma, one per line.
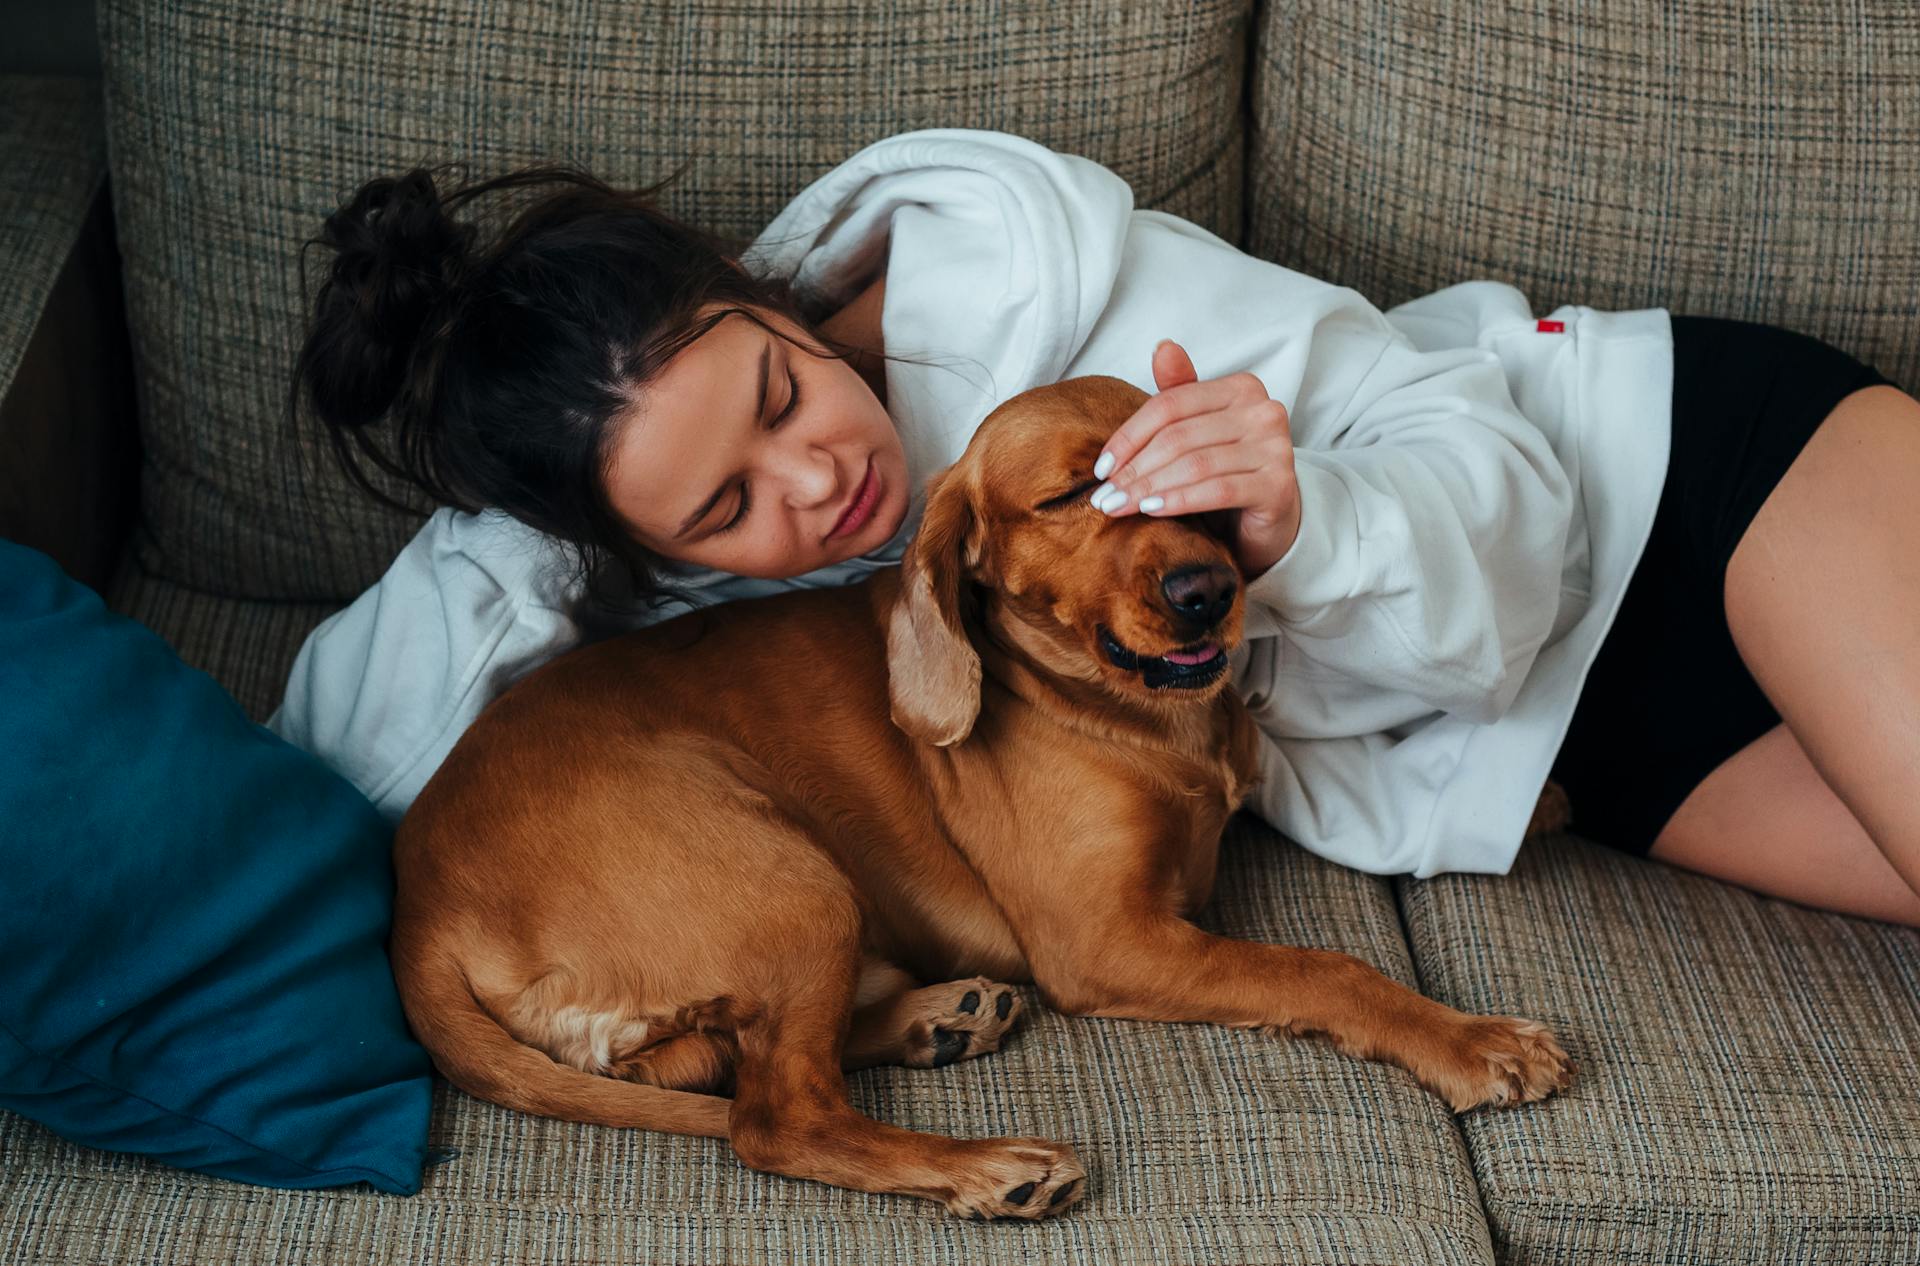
[1476, 487]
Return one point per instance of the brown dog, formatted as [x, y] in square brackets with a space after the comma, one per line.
[724, 853]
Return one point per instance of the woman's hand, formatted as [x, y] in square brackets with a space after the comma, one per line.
[1219, 448]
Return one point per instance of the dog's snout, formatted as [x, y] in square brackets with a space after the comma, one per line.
[1202, 594]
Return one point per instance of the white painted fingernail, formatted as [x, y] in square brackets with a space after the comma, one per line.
[1103, 467]
[1115, 499]
[1153, 503]
[1100, 494]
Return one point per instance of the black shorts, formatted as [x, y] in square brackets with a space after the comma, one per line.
[1669, 698]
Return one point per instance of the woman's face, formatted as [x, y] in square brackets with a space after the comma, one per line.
[707, 469]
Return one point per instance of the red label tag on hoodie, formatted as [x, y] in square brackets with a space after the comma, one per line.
[1551, 327]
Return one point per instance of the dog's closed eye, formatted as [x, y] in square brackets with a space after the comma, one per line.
[1077, 491]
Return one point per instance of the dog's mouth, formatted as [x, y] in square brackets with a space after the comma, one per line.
[1182, 668]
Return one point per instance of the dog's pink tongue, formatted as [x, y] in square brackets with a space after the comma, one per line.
[1206, 652]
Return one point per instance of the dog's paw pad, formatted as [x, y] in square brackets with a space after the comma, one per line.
[1047, 1177]
[949, 1045]
[965, 1018]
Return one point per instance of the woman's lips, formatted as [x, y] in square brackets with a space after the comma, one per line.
[860, 509]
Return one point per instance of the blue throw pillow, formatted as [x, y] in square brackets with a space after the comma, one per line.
[193, 916]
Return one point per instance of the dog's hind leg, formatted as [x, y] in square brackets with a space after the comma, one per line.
[791, 1114]
[932, 1027]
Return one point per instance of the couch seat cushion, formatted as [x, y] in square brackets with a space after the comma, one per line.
[1746, 1082]
[1202, 1145]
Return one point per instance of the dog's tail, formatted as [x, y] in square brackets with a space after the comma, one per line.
[474, 1052]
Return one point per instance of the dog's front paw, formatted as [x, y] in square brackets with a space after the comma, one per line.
[964, 1018]
[1497, 1060]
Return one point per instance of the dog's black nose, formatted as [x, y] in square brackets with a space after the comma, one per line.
[1202, 595]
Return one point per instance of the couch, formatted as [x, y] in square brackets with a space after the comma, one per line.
[1746, 1090]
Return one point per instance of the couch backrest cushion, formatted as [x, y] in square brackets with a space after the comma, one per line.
[1756, 161]
[235, 126]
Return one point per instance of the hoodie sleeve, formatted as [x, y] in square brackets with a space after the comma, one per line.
[382, 689]
[1434, 517]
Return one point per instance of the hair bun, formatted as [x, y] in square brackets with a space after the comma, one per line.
[400, 259]
[400, 254]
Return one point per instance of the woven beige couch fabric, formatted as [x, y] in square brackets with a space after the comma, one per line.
[236, 126]
[1202, 1145]
[1751, 160]
[245, 644]
[1747, 1067]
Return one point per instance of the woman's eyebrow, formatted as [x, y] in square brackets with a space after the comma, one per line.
[766, 354]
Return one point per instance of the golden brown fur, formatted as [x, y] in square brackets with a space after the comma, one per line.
[682, 879]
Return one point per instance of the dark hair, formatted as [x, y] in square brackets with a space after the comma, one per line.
[502, 367]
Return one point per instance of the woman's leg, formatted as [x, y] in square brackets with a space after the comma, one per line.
[1765, 819]
[1823, 602]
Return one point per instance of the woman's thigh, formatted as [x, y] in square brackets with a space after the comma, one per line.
[1669, 699]
[1823, 598]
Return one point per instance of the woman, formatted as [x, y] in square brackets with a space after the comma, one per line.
[1478, 546]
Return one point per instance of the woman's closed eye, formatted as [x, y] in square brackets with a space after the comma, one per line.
[746, 498]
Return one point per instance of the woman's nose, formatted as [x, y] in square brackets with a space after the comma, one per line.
[813, 477]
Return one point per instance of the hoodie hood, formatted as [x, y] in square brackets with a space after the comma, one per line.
[1000, 255]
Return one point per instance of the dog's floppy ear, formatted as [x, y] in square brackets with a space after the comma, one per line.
[933, 672]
